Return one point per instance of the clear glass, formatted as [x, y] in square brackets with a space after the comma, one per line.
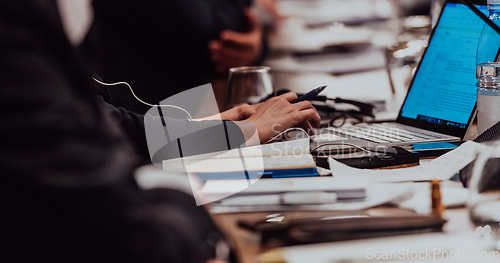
[248, 85]
[484, 194]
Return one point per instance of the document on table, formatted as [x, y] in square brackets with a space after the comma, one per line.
[441, 168]
[376, 194]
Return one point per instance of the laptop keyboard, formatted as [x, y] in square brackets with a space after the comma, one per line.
[386, 133]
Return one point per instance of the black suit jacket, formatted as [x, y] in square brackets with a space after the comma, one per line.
[67, 192]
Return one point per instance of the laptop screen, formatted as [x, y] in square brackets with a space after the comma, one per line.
[443, 91]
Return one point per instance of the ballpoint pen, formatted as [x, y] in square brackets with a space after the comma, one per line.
[310, 95]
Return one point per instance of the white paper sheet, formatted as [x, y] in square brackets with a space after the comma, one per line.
[377, 194]
[441, 168]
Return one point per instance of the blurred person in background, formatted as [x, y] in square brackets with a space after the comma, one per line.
[165, 47]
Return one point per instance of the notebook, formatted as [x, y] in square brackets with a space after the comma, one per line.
[276, 160]
[441, 102]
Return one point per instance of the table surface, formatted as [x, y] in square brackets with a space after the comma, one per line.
[247, 244]
[367, 85]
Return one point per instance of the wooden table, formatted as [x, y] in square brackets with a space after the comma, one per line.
[247, 244]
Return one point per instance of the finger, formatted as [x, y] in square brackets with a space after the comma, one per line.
[214, 45]
[307, 126]
[311, 129]
[310, 115]
[289, 96]
[247, 39]
[245, 111]
[314, 108]
[303, 105]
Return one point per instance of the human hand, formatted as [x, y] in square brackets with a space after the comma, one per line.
[240, 112]
[277, 114]
[235, 49]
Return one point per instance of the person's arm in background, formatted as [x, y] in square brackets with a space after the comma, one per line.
[236, 49]
[191, 25]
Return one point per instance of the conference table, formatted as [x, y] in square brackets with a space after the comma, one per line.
[387, 83]
[248, 244]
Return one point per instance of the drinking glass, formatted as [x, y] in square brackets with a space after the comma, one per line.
[248, 85]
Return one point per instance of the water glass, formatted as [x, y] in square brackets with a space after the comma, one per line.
[248, 85]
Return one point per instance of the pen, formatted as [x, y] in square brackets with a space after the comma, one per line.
[310, 95]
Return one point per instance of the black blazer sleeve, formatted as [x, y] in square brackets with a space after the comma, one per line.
[206, 136]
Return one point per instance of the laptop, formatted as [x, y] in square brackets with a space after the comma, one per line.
[441, 101]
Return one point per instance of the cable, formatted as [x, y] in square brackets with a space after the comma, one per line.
[286, 131]
[143, 102]
[343, 143]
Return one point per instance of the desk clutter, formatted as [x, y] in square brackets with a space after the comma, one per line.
[419, 193]
[340, 133]
[351, 47]
[403, 101]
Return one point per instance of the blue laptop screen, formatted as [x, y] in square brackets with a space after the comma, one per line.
[444, 89]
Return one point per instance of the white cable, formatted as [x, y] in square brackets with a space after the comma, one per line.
[286, 131]
[143, 102]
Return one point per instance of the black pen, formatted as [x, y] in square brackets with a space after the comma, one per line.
[310, 95]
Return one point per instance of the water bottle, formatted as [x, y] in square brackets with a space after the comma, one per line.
[488, 72]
